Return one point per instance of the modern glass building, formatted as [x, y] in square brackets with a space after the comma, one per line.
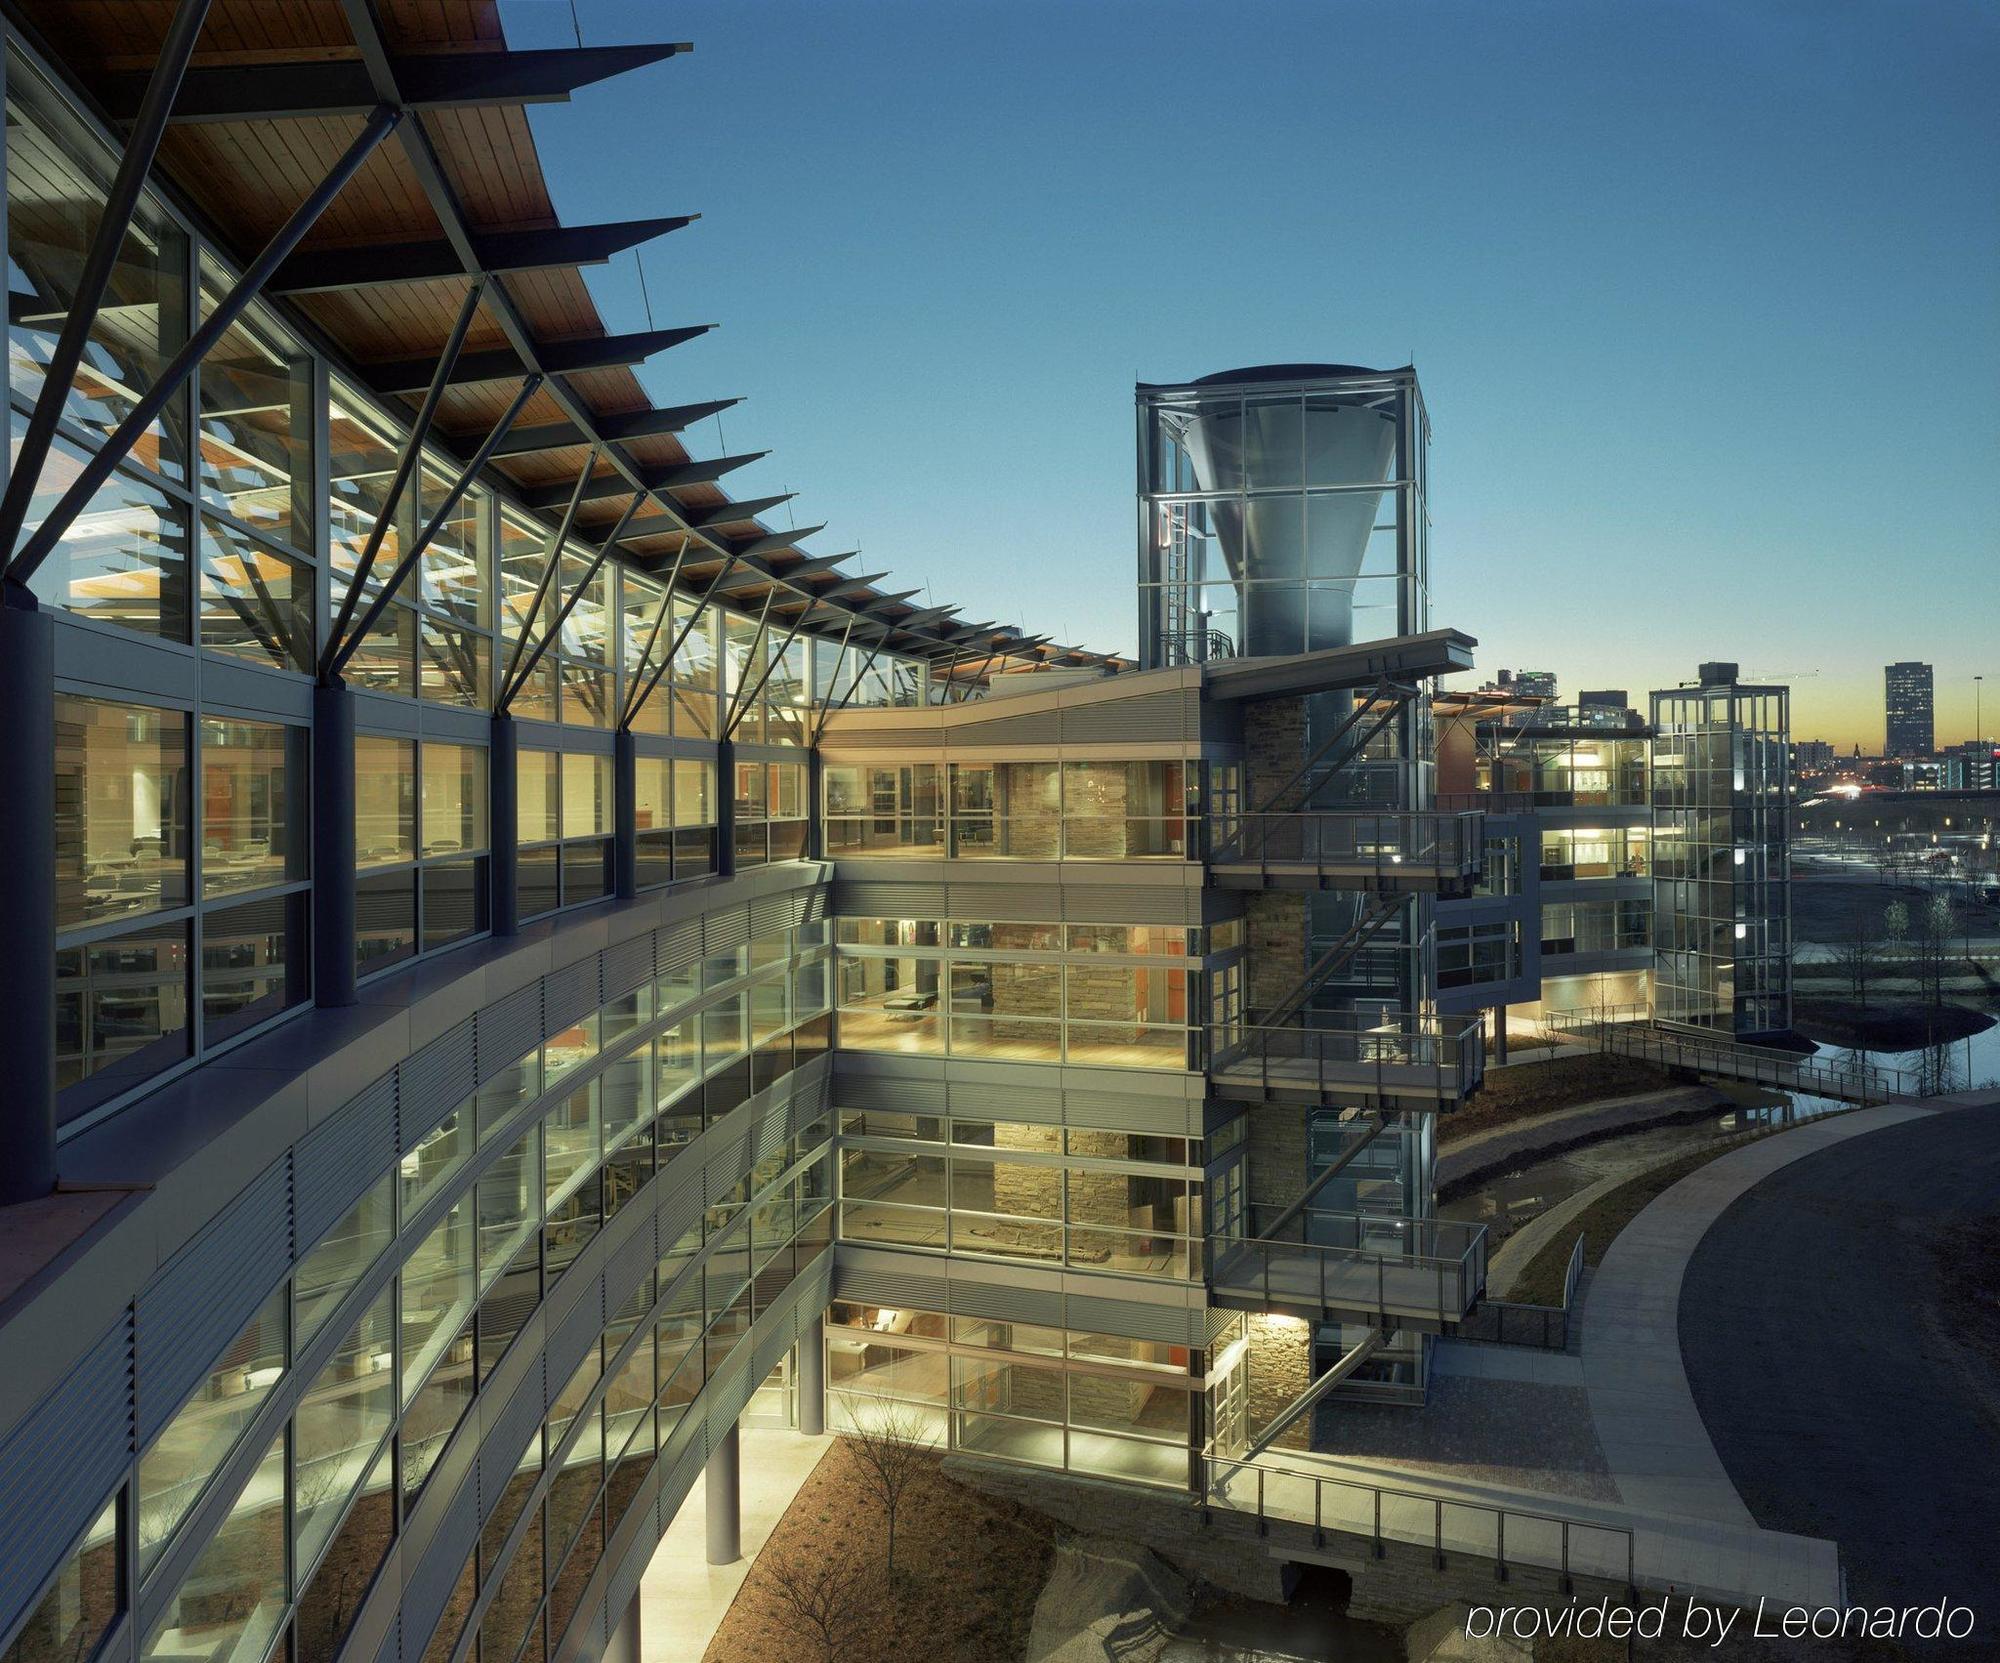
[1721, 828]
[1637, 869]
[507, 956]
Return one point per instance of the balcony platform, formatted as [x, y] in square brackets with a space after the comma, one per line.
[1394, 1059]
[1423, 1275]
[1386, 852]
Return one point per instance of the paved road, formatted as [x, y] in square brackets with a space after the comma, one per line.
[1834, 1395]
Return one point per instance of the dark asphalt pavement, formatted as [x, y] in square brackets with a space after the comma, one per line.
[1823, 1368]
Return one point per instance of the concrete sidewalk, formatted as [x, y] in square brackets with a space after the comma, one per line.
[682, 1597]
[1652, 1435]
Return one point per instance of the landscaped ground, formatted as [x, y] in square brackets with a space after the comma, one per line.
[968, 1570]
[1527, 1089]
[1884, 1024]
[1541, 1279]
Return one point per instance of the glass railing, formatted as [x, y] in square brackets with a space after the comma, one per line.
[1409, 845]
[1390, 1268]
[1392, 1051]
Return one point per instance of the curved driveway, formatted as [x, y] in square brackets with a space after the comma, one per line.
[1831, 1384]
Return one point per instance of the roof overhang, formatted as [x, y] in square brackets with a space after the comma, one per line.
[1436, 652]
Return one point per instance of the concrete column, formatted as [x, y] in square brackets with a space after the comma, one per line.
[723, 1481]
[503, 784]
[624, 1643]
[28, 898]
[1500, 1033]
[333, 845]
[624, 815]
[809, 1377]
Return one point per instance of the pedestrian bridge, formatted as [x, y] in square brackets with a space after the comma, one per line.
[1629, 1031]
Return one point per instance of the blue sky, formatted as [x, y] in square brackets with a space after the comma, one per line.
[1702, 292]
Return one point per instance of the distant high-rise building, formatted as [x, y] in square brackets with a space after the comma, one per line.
[1906, 696]
[1604, 698]
[1532, 684]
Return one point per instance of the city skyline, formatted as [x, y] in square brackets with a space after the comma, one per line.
[1580, 313]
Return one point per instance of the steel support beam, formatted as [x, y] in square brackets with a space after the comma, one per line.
[652, 635]
[770, 668]
[1377, 1124]
[1352, 1359]
[667, 657]
[432, 527]
[406, 465]
[118, 445]
[1363, 931]
[121, 202]
[548, 639]
[550, 563]
[733, 712]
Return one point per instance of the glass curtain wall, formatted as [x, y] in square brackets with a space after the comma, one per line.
[489, 1208]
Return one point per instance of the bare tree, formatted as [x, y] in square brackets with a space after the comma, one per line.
[893, 1451]
[1896, 927]
[824, 1599]
[1937, 923]
[1855, 951]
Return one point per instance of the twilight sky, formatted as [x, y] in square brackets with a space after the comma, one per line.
[1703, 295]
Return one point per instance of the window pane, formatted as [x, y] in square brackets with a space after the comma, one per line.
[454, 901]
[435, 1157]
[385, 661]
[538, 804]
[253, 964]
[454, 798]
[330, 1270]
[453, 574]
[586, 796]
[694, 793]
[362, 461]
[334, 1596]
[340, 1423]
[385, 920]
[255, 603]
[174, 1471]
[451, 664]
[230, 1605]
[57, 178]
[586, 696]
[438, 1291]
[254, 442]
[435, 1411]
[253, 831]
[385, 800]
[121, 1013]
[121, 809]
[78, 1609]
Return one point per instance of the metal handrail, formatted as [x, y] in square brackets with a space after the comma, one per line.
[1637, 1035]
[1419, 1252]
[1382, 1525]
[1352, 1049]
